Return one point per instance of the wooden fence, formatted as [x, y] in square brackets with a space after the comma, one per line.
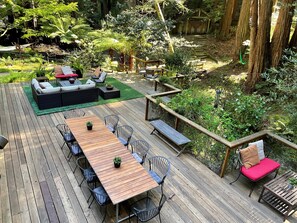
[229, 145]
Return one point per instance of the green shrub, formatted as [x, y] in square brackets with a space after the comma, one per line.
[4, 70]
[281, 83]
[178, 61]
[242, 115]
[17, 77]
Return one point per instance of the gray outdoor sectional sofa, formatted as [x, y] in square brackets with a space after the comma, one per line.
[46, 96]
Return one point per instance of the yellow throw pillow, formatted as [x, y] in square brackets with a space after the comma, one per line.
[249, 156]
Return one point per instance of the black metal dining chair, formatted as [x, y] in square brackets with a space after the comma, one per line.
[124, 134]
[111, 122]
[88, 173]
[145, 209]
[159, 168]
[139, 149]
[66, 133]
[73, 113]
[101, 197]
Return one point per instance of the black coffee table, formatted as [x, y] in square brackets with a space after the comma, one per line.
[108, 94]
[67, 83]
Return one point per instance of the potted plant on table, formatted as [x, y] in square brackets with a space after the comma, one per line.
[89, 125]
[117, 161]
[292, 182]
[109, 87]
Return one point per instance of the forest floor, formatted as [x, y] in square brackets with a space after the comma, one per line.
[221, 71]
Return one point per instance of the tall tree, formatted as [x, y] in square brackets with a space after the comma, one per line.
[161, 17]
[227, 19]
[281, 34]
[261, 11]
[242, 31]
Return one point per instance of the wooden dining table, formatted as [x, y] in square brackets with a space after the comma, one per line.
[100, 146]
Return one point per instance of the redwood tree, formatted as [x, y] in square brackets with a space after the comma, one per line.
[242, 31]
[227, 19]
[261, 11]
[280, 38]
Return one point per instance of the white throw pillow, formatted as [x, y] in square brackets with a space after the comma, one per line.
[67, 70]
[51, 90]
[70, 88]
[45, 85]
[260, 146]
[86, 86]
[102, 76]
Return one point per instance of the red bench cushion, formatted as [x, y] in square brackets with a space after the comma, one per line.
[261, 169]
[63, 76]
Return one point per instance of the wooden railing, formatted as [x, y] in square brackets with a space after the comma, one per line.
[229, 145]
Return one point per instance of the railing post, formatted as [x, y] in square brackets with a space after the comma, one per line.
[224, 166]
[176, 123]
[147, 109]
[156, 85]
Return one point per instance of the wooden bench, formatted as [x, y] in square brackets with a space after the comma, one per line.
[170, 133]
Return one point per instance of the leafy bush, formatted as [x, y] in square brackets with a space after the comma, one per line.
[4, 70]
[177, 61]
[17, 77]
[242, 115]
[281, 82]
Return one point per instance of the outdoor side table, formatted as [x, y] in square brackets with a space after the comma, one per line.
[108, 94]
[277, 194]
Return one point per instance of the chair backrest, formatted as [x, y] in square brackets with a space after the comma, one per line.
[63, 129]
[125, 132]
[159, 165]
[3, 141]
[102, 77]
[150, 212]
[140, 147]
[111, 122]
[73, 113]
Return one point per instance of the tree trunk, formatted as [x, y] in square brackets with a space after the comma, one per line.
[260, 26]
[227, 19]
[242, 32]
[293, 41]
[161, 17]
[281, 32]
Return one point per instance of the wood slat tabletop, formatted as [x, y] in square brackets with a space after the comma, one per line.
[100, 146]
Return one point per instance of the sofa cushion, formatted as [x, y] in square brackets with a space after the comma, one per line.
[69, 88]
[260, 170]
[45, 85]
[86, 86]
[89, 81]
[260, 147]
[34, 81]
[51, 90]
[37, 87]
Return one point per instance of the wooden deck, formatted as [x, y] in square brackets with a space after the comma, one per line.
[38, 185]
